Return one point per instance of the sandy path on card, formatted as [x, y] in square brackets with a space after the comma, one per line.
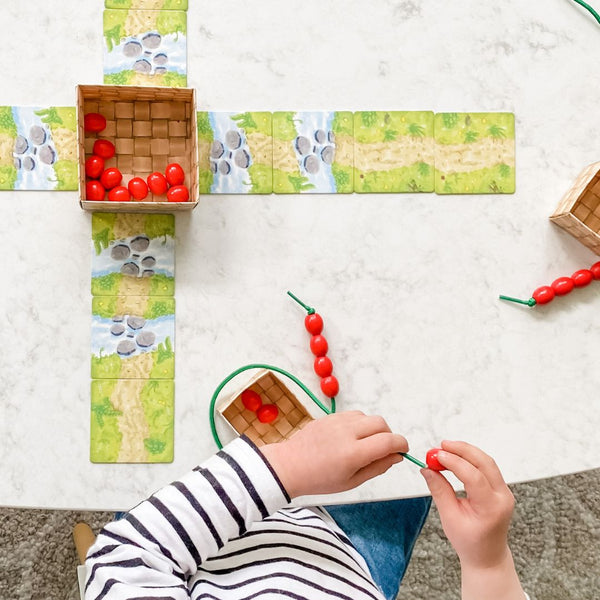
[7, 144]
[126, 397]
[385, 156]
[464, 158]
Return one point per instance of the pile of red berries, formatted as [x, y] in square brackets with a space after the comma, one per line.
[265, 413]
[318, 345]
[101, 180]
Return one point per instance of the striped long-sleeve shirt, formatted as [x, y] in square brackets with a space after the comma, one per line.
[223, 532]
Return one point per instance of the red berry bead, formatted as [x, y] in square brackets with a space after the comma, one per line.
[104, 148]
[94, 191]
[330, 386]
[178, 193]
[582, 277]
[595, 269]
[563, 285]
[157, 183]
[251, 400]
[94, 122]
[543, 294]
[119, 194]
[318, 345]
[111, 178]
[313, 323]
[323, 366]
[174, 174]
[267, 413]
[94, 166]
[138, 188]
[432, 460]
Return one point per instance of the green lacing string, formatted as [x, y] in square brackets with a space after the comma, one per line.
[589, 8]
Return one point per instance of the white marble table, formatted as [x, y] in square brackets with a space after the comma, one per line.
[408, 284]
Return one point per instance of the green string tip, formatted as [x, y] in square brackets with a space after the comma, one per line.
[413, 460]
[308, 309]
[530, 302]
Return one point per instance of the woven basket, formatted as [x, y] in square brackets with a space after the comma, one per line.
[150, 128]
[292, 414]
[579, 210]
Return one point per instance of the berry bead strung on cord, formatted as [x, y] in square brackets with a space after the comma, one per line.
[323, 367]
[560, 286]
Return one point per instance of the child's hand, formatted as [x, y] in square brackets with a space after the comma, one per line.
[335, 453]
[477, 526]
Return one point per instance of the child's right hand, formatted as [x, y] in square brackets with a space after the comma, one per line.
[477, 526]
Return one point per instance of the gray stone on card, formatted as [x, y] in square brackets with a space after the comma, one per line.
[311, 164]
[224, 167]
[147, 272]
[160, 70]
[17, 163]
[242, 159]
[21, 144]
[136, 322]
[142, 66]
[132, 49]
[213, 167]
[140, 243]
[125, 347]
[47, 155]
[145, 339]
[37, 135]
[130, 268]
[160, 59]
[117, 319]
[151, 41]
[117, 329]
[328, 155]
[217, 149]
[28, 164]
[302, 145]
[320, 136]
[233, 139]
[331, 137]
[148, 261]
[119, 252]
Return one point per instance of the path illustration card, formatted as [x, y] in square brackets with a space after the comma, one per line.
[235, 153]
[132, 421]
[313, 152]
[145, 47]
[133, 337]
[474, 153]
[38, 148]
[133, 254]
[393, 151]
[147, 4]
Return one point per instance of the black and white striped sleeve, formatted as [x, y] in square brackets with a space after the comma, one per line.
[157, 547]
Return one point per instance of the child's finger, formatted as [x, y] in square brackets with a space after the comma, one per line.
[441, 491]
[476, 484]
[370, 425]
[479, 459]
[374, 469]
[379, 445]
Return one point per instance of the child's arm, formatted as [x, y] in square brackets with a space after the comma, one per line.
[477, 526]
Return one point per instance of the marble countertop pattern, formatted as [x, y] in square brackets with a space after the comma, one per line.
[408, 284]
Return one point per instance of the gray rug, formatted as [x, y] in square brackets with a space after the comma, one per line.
[555, 538]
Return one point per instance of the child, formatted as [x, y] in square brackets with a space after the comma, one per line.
[222, 531]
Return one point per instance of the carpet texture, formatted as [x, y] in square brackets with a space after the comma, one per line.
[555, 539]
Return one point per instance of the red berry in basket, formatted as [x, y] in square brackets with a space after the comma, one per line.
[595, 269]
[313, 323]
[432, 460]
[157, 183]
[323, 366]
[94, 191]
[174, 174]
[119, 194]
[178, 193]
[543, 294]
[330, 386]
[251, 400]
[582, 277]
[563, 285]
[318, 345]
[104, 148]
[267, 413]
[94, 166]
[111, 178]
[138, 188]
[94, 122]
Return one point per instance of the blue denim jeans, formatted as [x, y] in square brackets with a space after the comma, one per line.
[385, 534]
